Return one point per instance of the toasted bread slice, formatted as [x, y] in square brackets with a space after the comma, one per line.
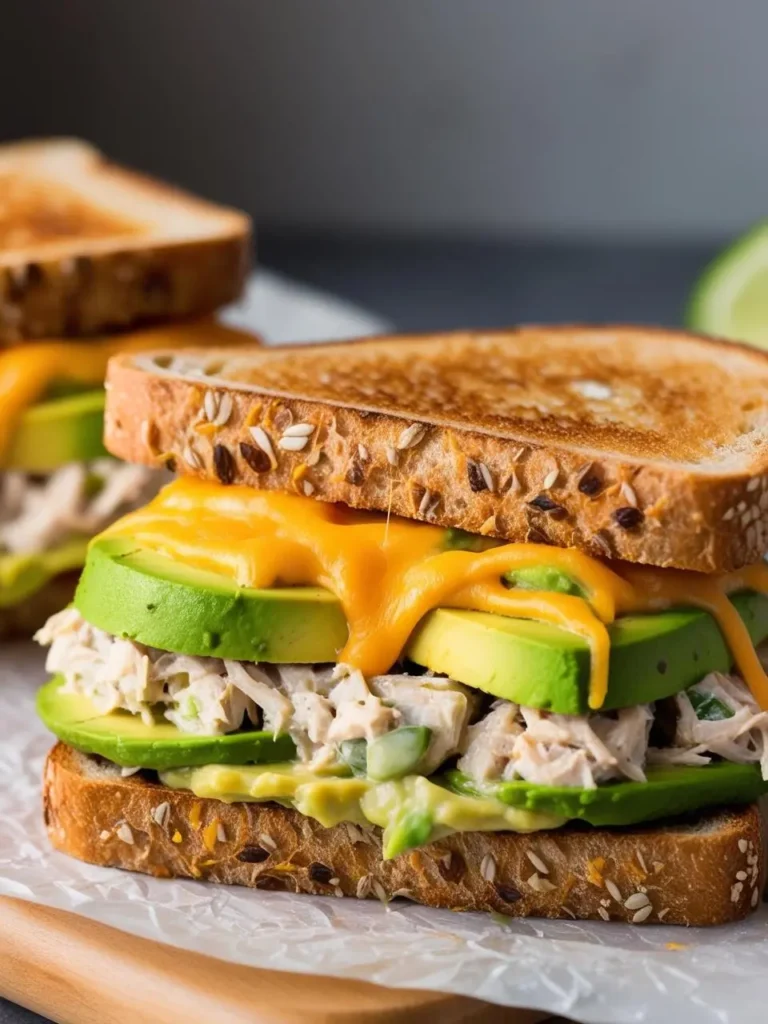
[20, 620]
[628, 442]
[87, 246]
[687, 871]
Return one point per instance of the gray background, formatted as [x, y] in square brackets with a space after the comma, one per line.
[525, 118]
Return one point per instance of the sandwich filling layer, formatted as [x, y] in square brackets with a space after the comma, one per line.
[387, 575]
[252, 646]
[324, 708]
[30, 372]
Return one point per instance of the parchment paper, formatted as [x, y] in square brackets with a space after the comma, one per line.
[615, 974]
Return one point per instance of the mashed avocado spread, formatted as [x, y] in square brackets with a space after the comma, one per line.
[411, 811]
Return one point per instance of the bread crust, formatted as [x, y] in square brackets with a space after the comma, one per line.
[84, 294]
[688, 873]
[88, 246]
[23, 619]
[634, 507]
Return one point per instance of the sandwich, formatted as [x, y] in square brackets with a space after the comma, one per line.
[86, 247]
[58, 484]
[471, 619]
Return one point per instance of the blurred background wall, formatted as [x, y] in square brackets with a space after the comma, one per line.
[573, 119]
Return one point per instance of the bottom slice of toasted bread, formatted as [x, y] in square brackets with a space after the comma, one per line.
[21, 620]
[707, 871]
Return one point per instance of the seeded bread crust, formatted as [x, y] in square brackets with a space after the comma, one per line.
[688, 874]
[127, 250]
[85, 295]
[23, 619]
[202, 409]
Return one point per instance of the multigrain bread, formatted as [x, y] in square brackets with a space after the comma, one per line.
[709, 871]
[635, 443]
[22, 619]
[87, 246]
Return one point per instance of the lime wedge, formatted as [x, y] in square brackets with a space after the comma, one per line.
[730, 299]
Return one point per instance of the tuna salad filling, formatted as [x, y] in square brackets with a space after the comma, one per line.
[324, 708]
[39, 512]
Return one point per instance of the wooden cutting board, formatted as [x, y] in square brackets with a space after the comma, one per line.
[76, 971]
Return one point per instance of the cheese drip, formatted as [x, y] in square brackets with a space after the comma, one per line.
[387, 578]
[28, 370]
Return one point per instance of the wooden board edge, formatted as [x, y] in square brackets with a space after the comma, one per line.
[78, 971]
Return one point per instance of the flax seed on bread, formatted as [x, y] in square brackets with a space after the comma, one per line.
[683, 873]
[635, 443]
[87, 246]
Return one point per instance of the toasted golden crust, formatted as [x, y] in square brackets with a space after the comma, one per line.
[21, 620]
[93, 294]
[632, 443]
[87, 246]
[687, 874]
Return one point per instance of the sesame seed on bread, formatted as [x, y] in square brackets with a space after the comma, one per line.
[643, 444]
[710, 870]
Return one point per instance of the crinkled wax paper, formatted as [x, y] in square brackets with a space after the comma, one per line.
[590, 972]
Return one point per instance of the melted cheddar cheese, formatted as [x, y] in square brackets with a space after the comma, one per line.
[388, 575]
[28, 371]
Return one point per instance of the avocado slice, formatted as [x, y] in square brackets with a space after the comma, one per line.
[124, 738]
[23, 575]
[136, 593]
[544, 577]
[669, 790]
[132, 592]
[542, 666]
[64, 429]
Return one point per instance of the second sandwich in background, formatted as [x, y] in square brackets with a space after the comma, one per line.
[85, 247]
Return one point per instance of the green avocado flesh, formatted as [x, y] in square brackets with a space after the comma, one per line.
[23, 575]
[544, 577]
[412, 809]
[415, 810]
[51, 433]
[541, 666]
[136, 593]
[124, 738]
[669, 790]
[132, 592]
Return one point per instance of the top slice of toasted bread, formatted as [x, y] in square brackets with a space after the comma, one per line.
[87, 246]
[642, 444]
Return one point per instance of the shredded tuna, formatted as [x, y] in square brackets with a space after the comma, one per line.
[38, 512]
[321, 706]
[438, 703]
[742, 738]
[318, 706]
[257, 685]
[491, 742]
[116, 674]
[585, 751]
[558, 750]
